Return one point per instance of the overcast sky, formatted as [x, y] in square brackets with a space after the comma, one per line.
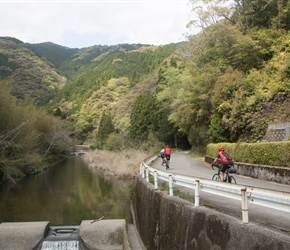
[79, 24]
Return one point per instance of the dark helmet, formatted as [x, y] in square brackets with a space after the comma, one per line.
[221, 149]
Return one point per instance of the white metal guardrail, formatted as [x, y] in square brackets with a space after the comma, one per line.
[264, 197]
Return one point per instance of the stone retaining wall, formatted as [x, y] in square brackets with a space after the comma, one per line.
[262, 172]
[166, 222]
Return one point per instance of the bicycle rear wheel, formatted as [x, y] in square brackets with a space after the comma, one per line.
[216, 177]
[167, 166]
[232, 179]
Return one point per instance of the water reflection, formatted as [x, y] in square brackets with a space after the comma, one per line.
[66, 194]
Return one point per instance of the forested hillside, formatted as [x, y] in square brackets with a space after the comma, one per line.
[29, 77]
[224, 84]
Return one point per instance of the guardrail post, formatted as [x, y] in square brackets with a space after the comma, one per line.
[142, 170]
[245, 211]
[170, 185]
[147, 174]
[196, 198]
[155, 179]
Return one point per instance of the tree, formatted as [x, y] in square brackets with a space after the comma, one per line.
[106, 127]
[149, 117]
[210, 12]
[217, 131]
[223, 45]
[262, 14]
[28, 136]
[143, 118]
[57, 140]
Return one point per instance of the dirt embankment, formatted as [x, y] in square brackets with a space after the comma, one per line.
[124, 164]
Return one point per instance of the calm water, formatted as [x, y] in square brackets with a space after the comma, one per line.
[66, 194]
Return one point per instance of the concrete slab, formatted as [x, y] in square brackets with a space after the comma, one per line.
[104, 234]
[22, 235]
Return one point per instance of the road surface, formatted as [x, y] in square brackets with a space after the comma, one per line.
[182, 163]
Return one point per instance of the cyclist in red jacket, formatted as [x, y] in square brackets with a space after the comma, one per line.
[226, 160]
[167, 152]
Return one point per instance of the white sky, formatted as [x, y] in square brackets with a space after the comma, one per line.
[79, 24]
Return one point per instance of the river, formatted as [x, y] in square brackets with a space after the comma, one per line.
[66, 194]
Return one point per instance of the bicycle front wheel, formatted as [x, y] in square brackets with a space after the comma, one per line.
[216, 177]
[232, 179]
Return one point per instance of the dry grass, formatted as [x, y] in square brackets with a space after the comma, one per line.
[123, 164]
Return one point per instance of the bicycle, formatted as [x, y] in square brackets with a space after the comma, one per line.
[165, 161]
[229, 178]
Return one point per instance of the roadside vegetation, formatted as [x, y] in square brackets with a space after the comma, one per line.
[30, 139]
[124, 164]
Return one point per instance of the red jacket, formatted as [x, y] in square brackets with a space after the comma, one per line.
[167, 151]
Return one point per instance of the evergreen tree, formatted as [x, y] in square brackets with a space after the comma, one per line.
[217, 131]
[106, 127]
[143, 118]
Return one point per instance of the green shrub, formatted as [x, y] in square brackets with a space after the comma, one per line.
[114, 142]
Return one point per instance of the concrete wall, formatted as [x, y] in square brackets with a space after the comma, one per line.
[278, 125]
[92, 234]
[166, 222]
[281, 128]
[261, 172]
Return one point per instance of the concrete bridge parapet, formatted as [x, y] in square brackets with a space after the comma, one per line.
[91, 234]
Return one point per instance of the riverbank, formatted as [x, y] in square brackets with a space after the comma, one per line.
[124, 164]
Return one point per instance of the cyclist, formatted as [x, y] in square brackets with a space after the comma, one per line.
[226, 160]
[162, 154]
[167, 152]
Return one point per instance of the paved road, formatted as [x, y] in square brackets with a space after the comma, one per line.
[181, 163]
